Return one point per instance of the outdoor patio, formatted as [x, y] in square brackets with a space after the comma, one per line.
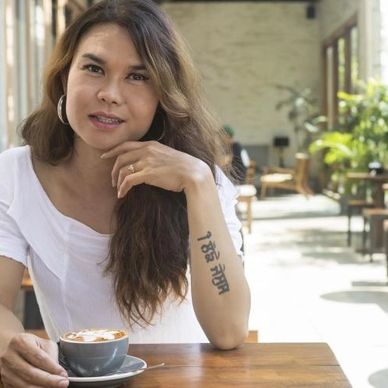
[308, 286]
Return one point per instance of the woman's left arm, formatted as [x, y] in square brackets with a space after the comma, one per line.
[220, 292]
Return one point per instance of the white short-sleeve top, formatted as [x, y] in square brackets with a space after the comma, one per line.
[65, 259]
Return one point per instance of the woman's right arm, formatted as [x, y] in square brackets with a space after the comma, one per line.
[11, 275]
[25, 359]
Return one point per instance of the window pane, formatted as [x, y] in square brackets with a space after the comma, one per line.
[329, 86]
[355, 60]
[341, 64]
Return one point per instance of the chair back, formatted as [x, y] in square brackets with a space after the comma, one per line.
[251, 172]
[302, 168]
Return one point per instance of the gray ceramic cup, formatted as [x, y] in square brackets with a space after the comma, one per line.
[94, 352]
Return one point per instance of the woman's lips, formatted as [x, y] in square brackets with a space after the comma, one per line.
[102, 122]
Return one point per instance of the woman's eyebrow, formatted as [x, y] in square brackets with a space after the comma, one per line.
[102, 61]
[94, 58]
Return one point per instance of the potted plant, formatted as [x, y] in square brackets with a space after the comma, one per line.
[302, 113]
[361, 137]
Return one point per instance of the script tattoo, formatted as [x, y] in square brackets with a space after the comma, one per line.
[209, 249]
[206, 236]
[219, 279]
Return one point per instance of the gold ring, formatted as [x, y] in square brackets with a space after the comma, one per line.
[131, 169]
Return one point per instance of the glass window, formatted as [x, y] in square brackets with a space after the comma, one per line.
[354, 55]
[341, 65]
[329, 85]
[27, 42]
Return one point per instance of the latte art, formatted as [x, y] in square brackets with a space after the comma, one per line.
[94, 335]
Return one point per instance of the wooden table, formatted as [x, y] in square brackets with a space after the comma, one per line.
[378, 180]
[252, 365]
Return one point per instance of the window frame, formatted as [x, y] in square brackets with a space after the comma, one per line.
[343, 32]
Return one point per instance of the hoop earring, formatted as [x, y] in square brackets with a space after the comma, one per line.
[59, 110]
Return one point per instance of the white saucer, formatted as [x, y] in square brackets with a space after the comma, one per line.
[113, 380]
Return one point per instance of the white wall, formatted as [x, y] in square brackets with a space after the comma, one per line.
[333, 14]
[242, 51]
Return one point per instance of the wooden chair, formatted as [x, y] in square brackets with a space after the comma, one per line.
[26, 282]
[386, 243]
[355, 205]
[251, 172]
[288, 179]
[247, 193]
[253, 337]
[375, 217]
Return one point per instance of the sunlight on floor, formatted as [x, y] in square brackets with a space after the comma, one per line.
[308, 286]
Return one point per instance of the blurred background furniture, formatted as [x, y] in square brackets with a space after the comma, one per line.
[385, 227]
[359, 198]
[253, 337]
[280, 143]
[373, 215]
[31, 315]
[259, 153]
[379, 182]
[247, 194]
[355, 206]
[295, 179]
[375, 218]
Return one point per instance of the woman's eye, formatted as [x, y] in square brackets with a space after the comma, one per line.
[137, 77]
[93, 68]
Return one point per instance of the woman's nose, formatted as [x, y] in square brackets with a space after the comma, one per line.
[110, 93]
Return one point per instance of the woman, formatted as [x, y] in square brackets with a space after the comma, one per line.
[115, 204]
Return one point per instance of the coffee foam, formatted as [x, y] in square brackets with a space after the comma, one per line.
[94, 335]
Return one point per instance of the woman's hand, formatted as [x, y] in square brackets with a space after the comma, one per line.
[154, 164]
[30, 361]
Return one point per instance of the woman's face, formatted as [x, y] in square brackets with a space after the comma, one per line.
[110, 98]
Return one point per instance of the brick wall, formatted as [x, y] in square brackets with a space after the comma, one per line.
[242, 51]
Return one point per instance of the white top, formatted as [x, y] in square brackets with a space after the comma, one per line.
[65, 259]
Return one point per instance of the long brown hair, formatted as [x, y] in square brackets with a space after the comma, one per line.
[148, 254]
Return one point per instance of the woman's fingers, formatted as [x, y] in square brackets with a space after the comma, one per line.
[34, 350]
[32, 361]
[126, 170]
[151, 163]
[13, 381]
[128, 182]
[131, 152]
[124, 147]
[122, 162]
[20, 373]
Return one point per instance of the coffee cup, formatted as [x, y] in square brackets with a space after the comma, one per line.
[94, 352]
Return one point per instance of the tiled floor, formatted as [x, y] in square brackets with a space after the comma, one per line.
[307, 286]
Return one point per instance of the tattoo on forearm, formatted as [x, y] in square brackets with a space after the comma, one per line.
[206, 236]
[219, 279]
